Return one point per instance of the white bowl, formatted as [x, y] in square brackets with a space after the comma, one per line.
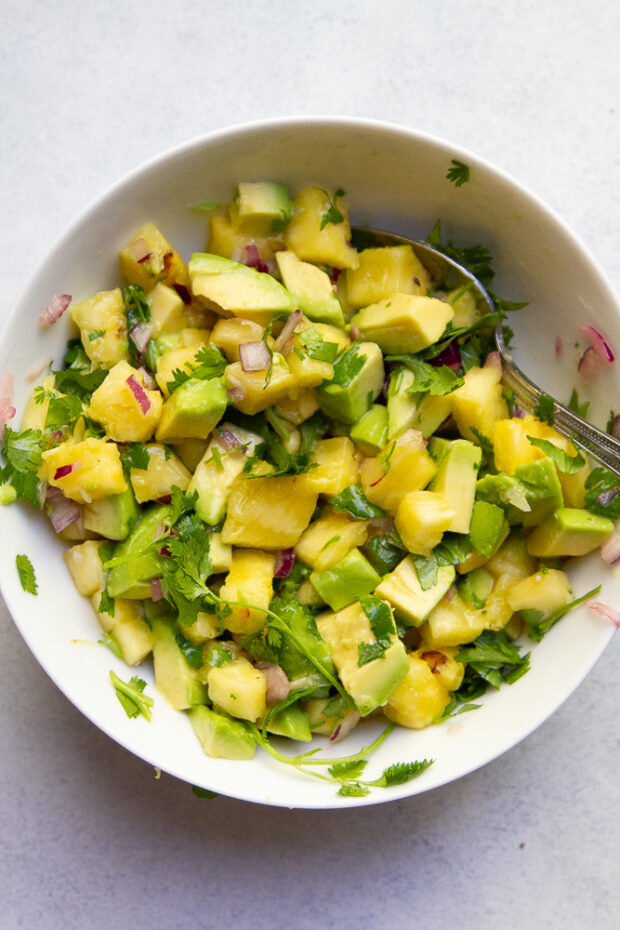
[394, 179]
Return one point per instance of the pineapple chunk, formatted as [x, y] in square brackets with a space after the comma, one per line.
[335, 467]
[308, 372]
[267, 513]
[421, 519]
[299, 409]
[195, 337]
[464, 305]
[403, 466]
[85, 566]
[148, 258]
[259, 392]
[497, 611]
[444, 666]
[204, 628]
[103, 328]
[182, 359]
[239, 689]
[167, 310]
[385, 271]
[478, 403]
[35, 413]
[512, 558]
[96, 469]
[127, 415]
[250, 581]
[546, 591]
[419, 699]
[231, 332]
[452, 623]
[164, 470]
[324, 246]
[328, 539]
[512, 448]
[226, 240]
[127, 628]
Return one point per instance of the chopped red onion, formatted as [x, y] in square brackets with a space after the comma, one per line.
[227, 440]
[598, 343]
[287, 331]
[61, 511]
[451, 357]
[252, 258]
[183, 292]
[236, 393]
[493, 360]
[139, 393]
[54, 309]
[278, 685]
[614, 429]
[343, 729]
[378, 480]
[450, 593]
[285, 560]
[589, 364]
[610, 550]
[605, 497]
[38, 368]
[147, 379]
[165, 499]
[157, 592]
[7, 410]
[65, 470]
[254, 356]
[559, 346]
[139, 250]
[140, 335]
[605, 611]
[334, 274]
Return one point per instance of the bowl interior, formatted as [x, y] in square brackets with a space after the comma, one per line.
[395, 180]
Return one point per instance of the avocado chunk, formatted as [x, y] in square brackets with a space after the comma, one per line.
[488, 528]
[220, 736]
[193, 410]
[292, 722]
[311, 289]
[217, 470]
[357, 382]
[408, 410]
[131, 577]
[233, 289]
[457, 461]
[346, 581]
[370, 433]
[568, 531]
[475, 587]
[504, 491]
[295, 664]
[402, 589]
[174, 678]
[542, 489]
[404, 322]
[261, 208]
[113, 517]
[363, 629]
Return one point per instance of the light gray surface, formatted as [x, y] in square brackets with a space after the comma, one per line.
[88, 836]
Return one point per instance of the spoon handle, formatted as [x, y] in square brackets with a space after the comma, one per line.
[597, 444]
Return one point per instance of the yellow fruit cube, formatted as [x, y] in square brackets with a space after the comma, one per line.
[479, 402]
[183, 358]
[249, 581]
[497, 611]
[35, 413]
[452, 623]
[297, 410]
[164, 471]
[204, 628]
[404, 322]
[512, 447]
[226, 240]
[231, 332]
[308, 372]
[421, 520]
[547, 591]
[148, 258]
[267, 513]
[103, 328]
[85, 566]
[444, 666]
[419, 699]
[84, 471]
[333, 467]
[464, 304]
[167, 310]
[127, 410]
[239, 689]
[404, 465]
[316, 234]
[328, 539]
[512, 558]
[253, 391]
[127, 628]
[385, 271]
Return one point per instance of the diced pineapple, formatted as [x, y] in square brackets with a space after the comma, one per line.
[148, 258]
[239, 689]
[421, 520]
[404, 465]
[231, 332]
[497, 610]
[574, 486]
[463, 303]
[127, 627]
[95, 469]
[182, 359]
[204, 628]
[254, 391]
[226, 240]
[512, 558]
[452, 623]
[328, 539]
[444, 666]
[85, 566]
[420, 698]
[512, 448]
[249, 581]
[267, 513]
[190, 451]
[547, 591]
[312, 236]
[334, 467]
[308, 372]
[297, 410]
[35, 411]
[127, 409]
[164, 471]
[103, 328]
[167, 310]
[479, 403]
[385, 271]
[329, 333]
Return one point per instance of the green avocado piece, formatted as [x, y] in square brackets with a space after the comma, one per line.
[220, 736]
[402, 589]
[292, 722]
[475, 587]
[113, 517]
[295, 664]
[261, 208]
[542, 489]
[358, 380]
[174, 678]
[404, 322]
[346, 581]
[504, 491]
[131, 578]
[213, 478]
[488, 528]
[234, 289]
[192, 410]
[311, 289]
[568, 531]
[413, 411]
[370, 433]
[159, 346]
[458, 461]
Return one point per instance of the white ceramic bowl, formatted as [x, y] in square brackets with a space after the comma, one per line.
[395, 179]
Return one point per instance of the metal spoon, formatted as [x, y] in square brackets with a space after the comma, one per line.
[599, 445]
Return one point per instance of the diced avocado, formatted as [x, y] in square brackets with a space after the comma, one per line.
[292, 722]
[220, 736]
[167, 310]
[160, 346]
[349, 635]
[458, 461]
[542, 489]
[261, 208]
[238, 688]
[413, 411]
[193, 410]
[402, 589]
[113, 517]
[370, 433]
[131, 577]
[357, 382]
[217, 470]
[504, 491]
[311, 289]
[233, 289]
[568, 532]
[295, 664]
[475, 587]
[404, 322]
[174, 678]
[488, 528]
[346, 581]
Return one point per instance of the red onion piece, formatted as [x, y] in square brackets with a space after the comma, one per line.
[605, 497]
[287, 331]
[139, 393]
[343, 729]
[559, 346]
[7, 410]
[140, 335]
[236, 394]
[450, 593]
[493, 360]
[183, 292]
[38, 368]
[139, 250]
[156, 589]
[285, 560]
[61, 511]
[605, 611]
[148, 380]
[614, 429]
[278, 685]
[65, 470]
[54, 309]
[589, 364]
[254, 356]
[334, 274]
[451, 357]
[610, 550]
[227, 440]
[252, 258]
[598, 343]
[165, 499]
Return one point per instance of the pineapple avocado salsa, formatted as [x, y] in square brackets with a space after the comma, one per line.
[290, 476]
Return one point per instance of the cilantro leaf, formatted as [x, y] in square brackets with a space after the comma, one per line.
[385, 551]
[545, 409]
[603, 493]
[567, 464]
[106, 639]
[135, 455]
[436, 379]
[348, 365]
[610, 421]
[353, 501]
[22, 454]
[332, 214]
[382, 626]
[538, 624]
[131, 697]
[348, 769]
[208, 363]
[26, 574]
[453, 549]
[458, 172]
[81, 382]
[353, 789]
[316, 347]
[476, 258]
[137, 309]
[75, 356]
[63, 412]
[494, 658]
[401, 772]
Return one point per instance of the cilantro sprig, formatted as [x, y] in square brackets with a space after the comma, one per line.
[539, 624]
[130, 694]
[458, 172]
[208, 363]
[26, 574]
[333, 214]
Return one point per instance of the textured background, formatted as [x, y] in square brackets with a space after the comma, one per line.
[89, 838]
